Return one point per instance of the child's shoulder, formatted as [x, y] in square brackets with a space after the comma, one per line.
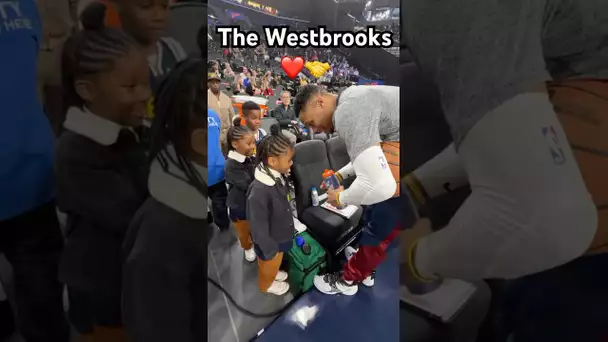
[71, 145]
[175, 47]
[232, 164]
[256, 187]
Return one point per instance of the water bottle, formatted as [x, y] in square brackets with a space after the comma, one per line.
[300, 242]
[315, 197]
[330, 179]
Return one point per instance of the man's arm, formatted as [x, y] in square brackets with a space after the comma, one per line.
[347, 171]
[231, 111]
[528, 212]
[375, 182]
[442, 174]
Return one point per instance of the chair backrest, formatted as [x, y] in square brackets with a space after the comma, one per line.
[267, 122]
[185, 20]
[309, 162]
[336, 152]
[319, 136]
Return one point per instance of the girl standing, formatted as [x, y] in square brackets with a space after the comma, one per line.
[165, 270]
[269, 212]
[239, 175]
[100, 172]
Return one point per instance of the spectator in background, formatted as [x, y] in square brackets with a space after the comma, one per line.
[266, 88]
[147, 24]
[30, 235]
[221, 104]
[218, 193]
[284, 113]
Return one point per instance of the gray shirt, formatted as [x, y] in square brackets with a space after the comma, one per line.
[366, 116]
[481, 53]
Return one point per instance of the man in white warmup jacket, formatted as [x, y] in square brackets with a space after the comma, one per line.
[530, 211]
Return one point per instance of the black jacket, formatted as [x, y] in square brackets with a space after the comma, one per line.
[165, 263]
[283, 115]
[238, 173]
[269, 214]
[100, 176]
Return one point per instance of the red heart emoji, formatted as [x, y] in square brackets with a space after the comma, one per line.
[292, 67]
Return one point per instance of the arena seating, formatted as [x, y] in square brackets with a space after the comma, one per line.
[331, 230]
[267, 122]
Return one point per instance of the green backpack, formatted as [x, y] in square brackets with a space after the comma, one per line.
[304, 267]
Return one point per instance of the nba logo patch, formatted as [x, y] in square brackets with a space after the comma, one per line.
[557, 154]
[382, 162]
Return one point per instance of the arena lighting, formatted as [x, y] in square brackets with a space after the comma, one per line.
[350, 15]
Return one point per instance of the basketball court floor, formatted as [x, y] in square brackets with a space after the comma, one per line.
[370, 315]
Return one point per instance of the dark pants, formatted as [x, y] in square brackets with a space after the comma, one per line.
[218, 193]
[381, 227]
[32, 243]
[565, 304]
[380, 220]
[7, 325]
[88, 310]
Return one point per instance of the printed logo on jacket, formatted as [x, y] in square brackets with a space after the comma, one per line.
[16, 16]
[212, 122]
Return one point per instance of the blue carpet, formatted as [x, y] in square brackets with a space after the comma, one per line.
[370, 315]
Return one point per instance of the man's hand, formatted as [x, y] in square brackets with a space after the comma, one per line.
[408, 274]
[332, 196]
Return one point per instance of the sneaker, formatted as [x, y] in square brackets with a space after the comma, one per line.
[281, 276]
[332, 283]
[371, 279]
[350, 251]
[278, 288]
[250, 255]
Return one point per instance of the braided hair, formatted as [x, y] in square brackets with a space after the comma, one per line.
[236, 132]
[90, 52]
[273, 145]
[180, 110]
